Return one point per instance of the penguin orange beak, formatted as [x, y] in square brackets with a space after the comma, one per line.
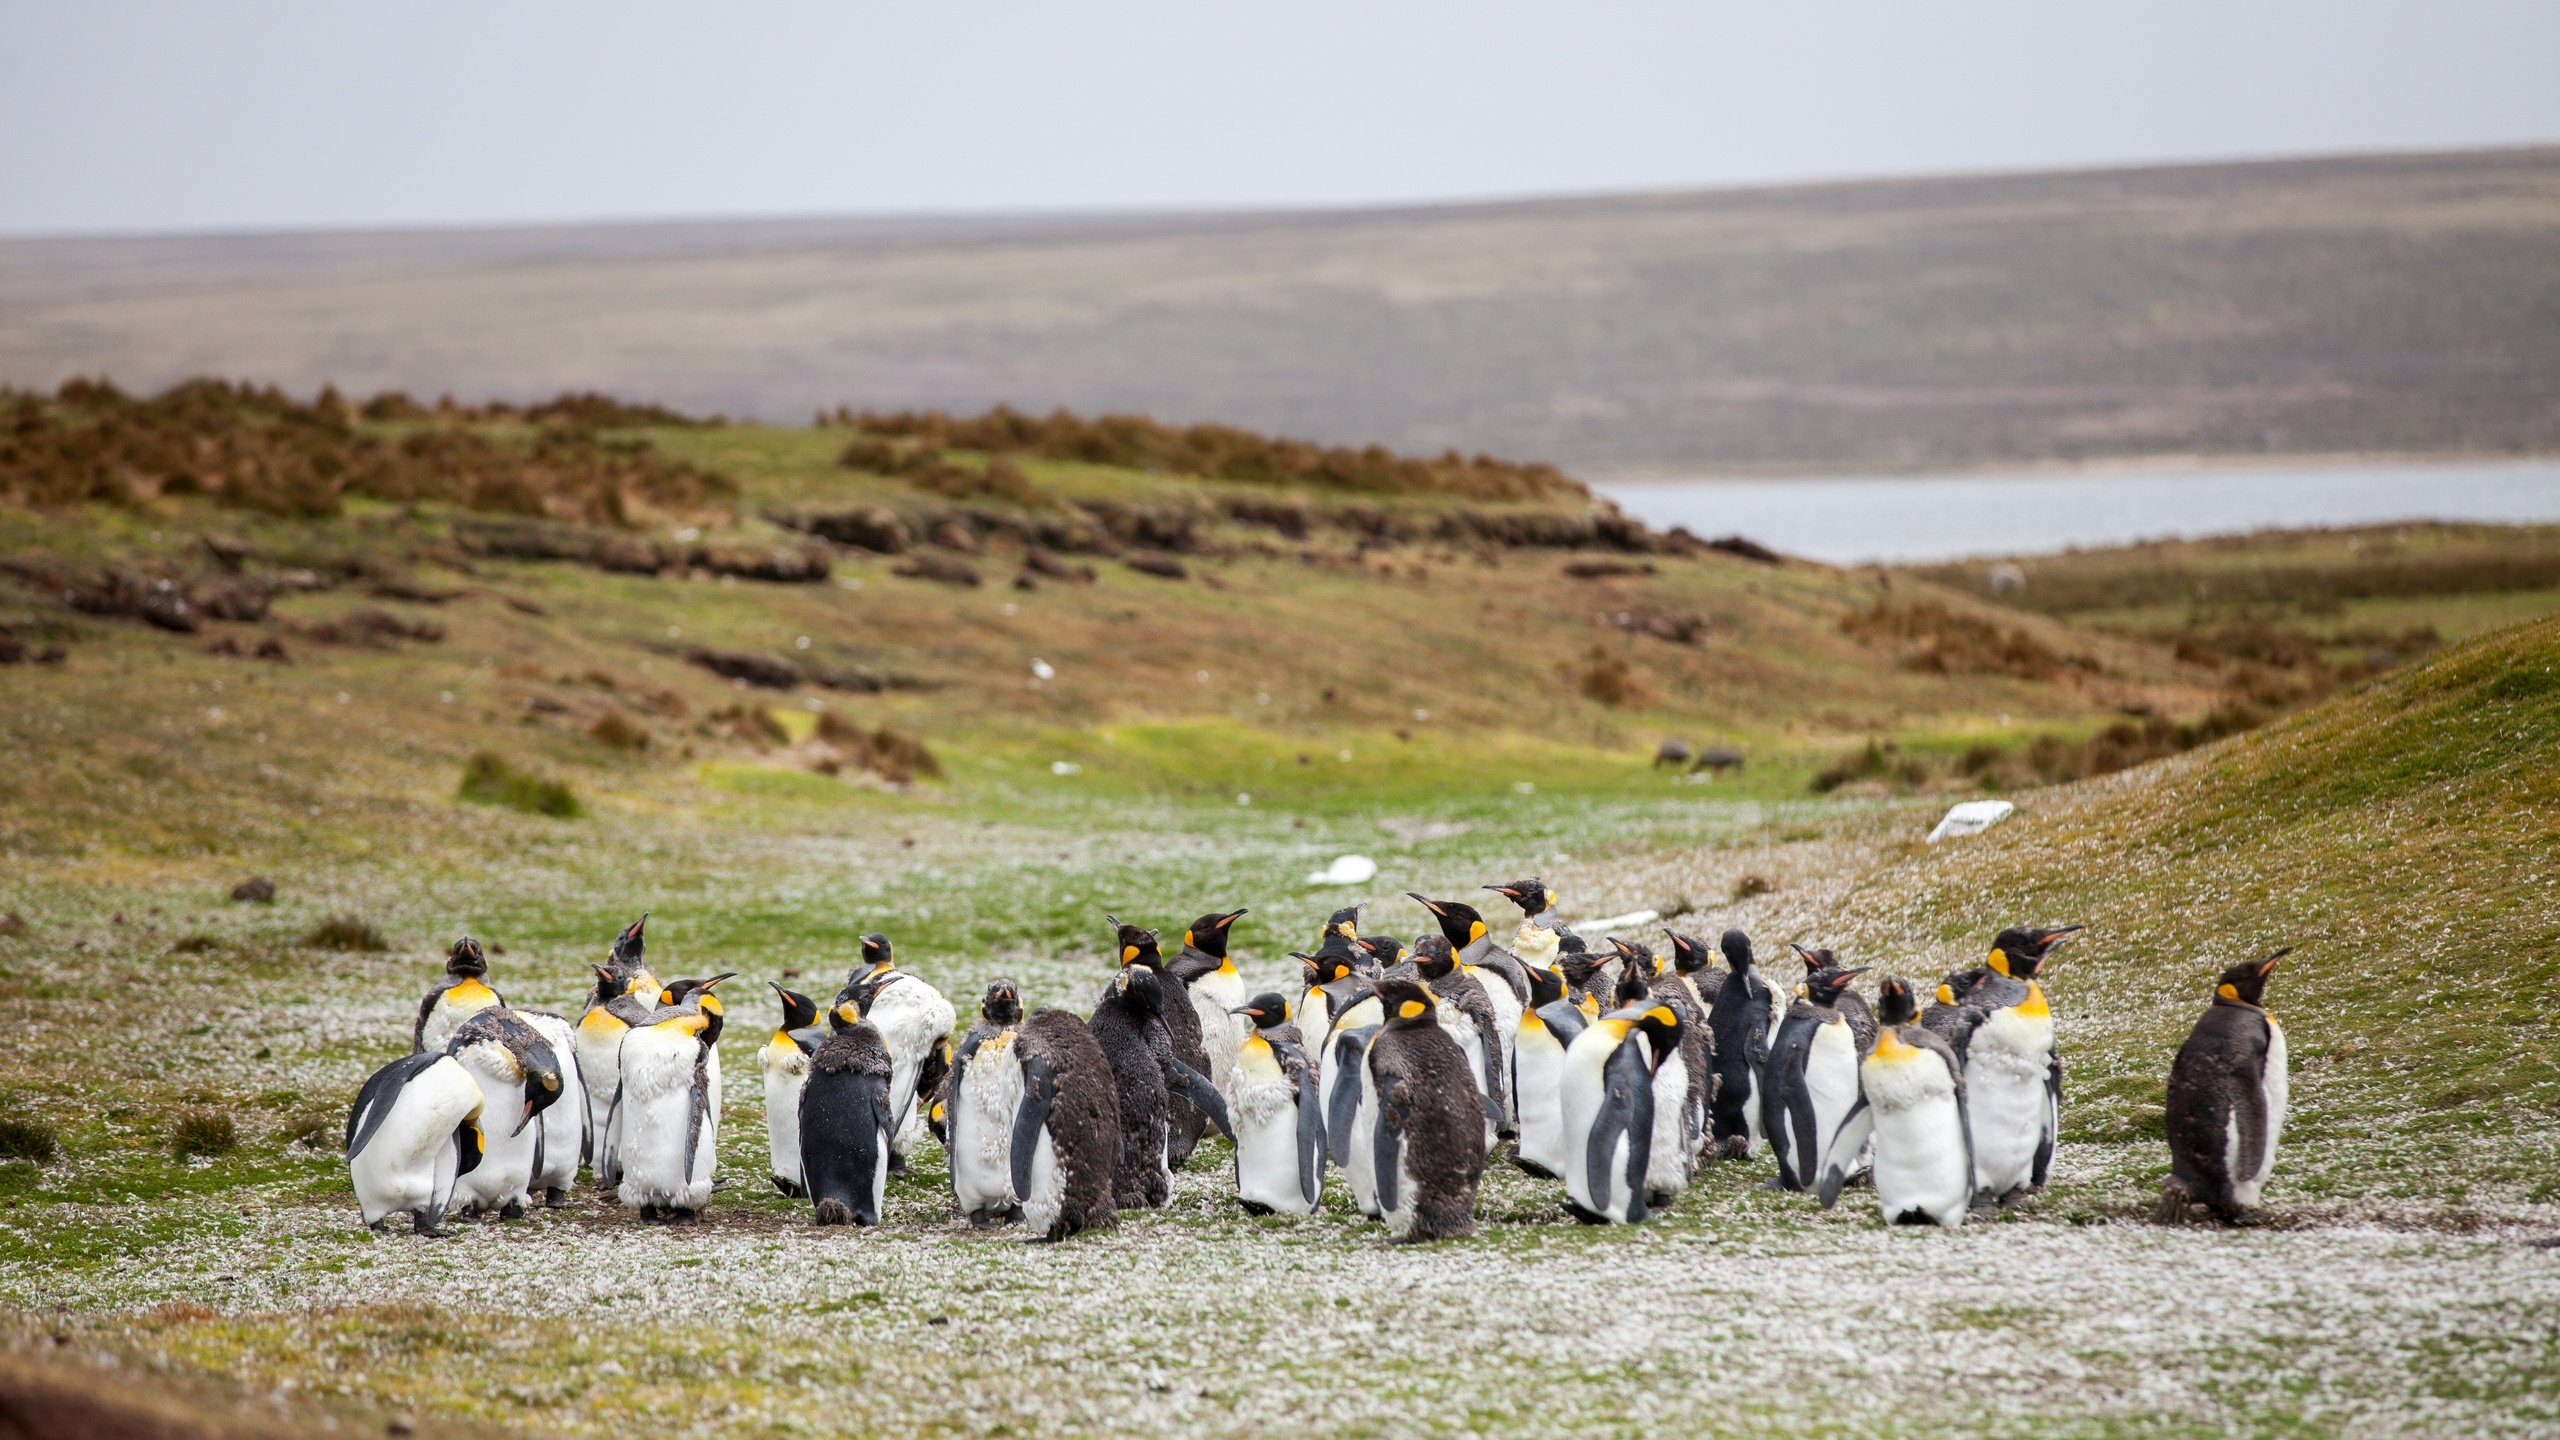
[523, 1120]
[2270, 962]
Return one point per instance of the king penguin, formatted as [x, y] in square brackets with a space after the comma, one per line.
[1209, 976]
[1689, 957]
[463, 993]
[1609, 1113]
[412, 1133]
[1182, 1027]
[1811, 1080]
[1547, 1030]
[915, 1022]
[846, 1120]
[1536, 940]
[1739, 1019]
[2227, 1091]
[1278, 1115]
[785, 1062]
[1852, 1006]
[2012, 1069]
[1504, 978]
[1337, 957]
[1911, 1104]
[668, 1116]
[566, 1143]
[979, 1108]
[624, 994]
[1066, 1132]
[1683, 1081]
[1127, 1023]
[519, 1079]
[1946, 1017]
[1466, 1014]
[1426, 1131]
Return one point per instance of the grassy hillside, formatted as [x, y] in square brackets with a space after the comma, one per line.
[2394, 304]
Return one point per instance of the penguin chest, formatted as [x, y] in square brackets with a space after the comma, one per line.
[1263, 1102]
[981, 1120]
[2249, 1172]
[1535, 944]
[2007, 1070]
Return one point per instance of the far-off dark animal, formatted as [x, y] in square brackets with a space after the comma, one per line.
[1674, 753]
[1717, 758]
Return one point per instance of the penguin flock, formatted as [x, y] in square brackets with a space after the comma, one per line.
[1616, 1071]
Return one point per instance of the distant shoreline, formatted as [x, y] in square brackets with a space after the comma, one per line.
[2160, 464]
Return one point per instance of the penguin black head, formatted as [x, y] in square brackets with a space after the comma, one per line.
[1408, 1002]
[1003, 1005]
[1818, 959]
[1461, 923]
[1545, 985]
[2019, 951]
[1634, 986]
[1531, 895]
[1895, 1004]
[1138, 945]
[1324, 969]
[2247, 982]
[1380, 951]
[466, 959]
[1341, 927]
[1688, 953]
[877, 954]
[612, 983]
[1737, 951]
[846, 1014]
[1208, 934]
[628, 945]
[1265, 1011]
[799, 1012]
[1823, 986]
[1568, 943]
[1963, 982]
[1136, 989]
[541, 1079]
[1634, 958]
[1433, 959]
[679, 991]
[1577, 967]
[1661, 1025]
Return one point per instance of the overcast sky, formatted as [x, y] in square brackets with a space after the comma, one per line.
[262, 114]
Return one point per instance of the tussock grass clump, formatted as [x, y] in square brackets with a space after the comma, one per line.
[347, 933]
[1613, 682]
[1750, 886]
[204, 1132]
[195, 944]
[490, 780]
[1880, 760]
[256, 890]
[620, 731]
[882, 751]
[1936, 640]
[30, 1140]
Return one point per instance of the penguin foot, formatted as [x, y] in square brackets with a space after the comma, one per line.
[1252, 1207]
[379, 1227]
[1734, 1147]
[512, 1210]
[1582, 1213]
[897, 1163]
[1532, 1167]
[649, 1215]
[790, 1189]
[555, 1198]
[431, 1227]
[684, 1217]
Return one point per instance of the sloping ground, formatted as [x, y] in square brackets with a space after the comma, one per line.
[2383, 303]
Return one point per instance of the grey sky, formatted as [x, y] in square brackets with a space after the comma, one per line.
[260, 114]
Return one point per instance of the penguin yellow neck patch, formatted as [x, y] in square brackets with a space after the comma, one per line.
[2034, 1003]
[1999, 961]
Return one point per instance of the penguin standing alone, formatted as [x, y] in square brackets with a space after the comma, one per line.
[1279, 1118]
[1066, 1133]
[1811, 1080]
[2227, 1092]
[1739, 1019]
[984, 1096]
[1127, 1023]
[785, 1062]
[1427, 1129]
[463, 993]
[846, 1121]
[1183, 1029]
[413, 1131]
[519, 1079]
[1609, 1113]
[2012, 1069]
[1216, 989]
[1911, 1104]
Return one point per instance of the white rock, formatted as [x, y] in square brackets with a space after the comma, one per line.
[1972, 818]
[1346, 870]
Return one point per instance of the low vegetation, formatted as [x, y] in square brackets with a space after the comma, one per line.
[489, 780]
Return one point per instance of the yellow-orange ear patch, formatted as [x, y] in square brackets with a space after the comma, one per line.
[1410, 1009]
[1661, 1015]
[1999, 961]
[2227, 992]
[1128, 953]
[1475, 931]
[1946, 994]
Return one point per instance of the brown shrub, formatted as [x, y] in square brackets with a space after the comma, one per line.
[1610, 680]
[620, 731]
[1936, 639]
[882, 751]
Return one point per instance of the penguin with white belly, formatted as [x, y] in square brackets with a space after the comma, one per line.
[1689, 962]
[625, 993]
[1547, 1031]
[2012, 1068]
[1911, 1104]
[519, 1079]
[1278, 1115]
[1738, 1018]
[979, 1106]
[1852, 1006]
[413, 1132]
[2227, 1093]
[1609, 1113]
[565, 1142]
[668, 1116]
[1424, 1120]
[1216, 990]
[1066, 1132]
[846, 1121]
[1337, 957]
[785, 1062]
[1504, 978]
[1467, 1017]
[1811, 1080]
[1536, 941]
[915, 1022]
[1682, 1079]
[463, 993]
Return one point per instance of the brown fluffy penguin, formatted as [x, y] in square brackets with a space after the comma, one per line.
[2227, 1092]
[1128, 1024]
[1181, 1023]
[1066, 1130]
[1429, 1134]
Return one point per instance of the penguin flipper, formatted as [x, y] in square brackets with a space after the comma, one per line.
[1039, 1092]
[380, 1093]
[1565, 1019]
[1387, 1148]
[1311, 1146]
[1846, 1142]
[469, 1145]
[1349, 1049]
[2052, 1122]
[1639, 1142]
[1204, 1097]
[418, 1031]
[930, 1075]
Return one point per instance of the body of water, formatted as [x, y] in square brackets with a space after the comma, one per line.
[1928, 518]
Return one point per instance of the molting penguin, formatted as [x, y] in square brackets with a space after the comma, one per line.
[2227, 1091]
[1609, 1113]
[412, 1133]
[1536, 940]
[1811, 1081]
[565, 1141]
[1127, 1023]
[1182, 1027]
[668, 1117]
[1278, 1115]
[785, 1062]
[1946, 1017]
[1689, 957]
[1466, 1014]
[1426, 1129]
[984, 1095]
[1739, 1019]
[1504, 978]
[2012, 1070]
[846, 1120]
[1337, 956]
[463, 993]
[1547, 1030]
[914, 1021]
[519, 1079]
[1209, 976]
[1911, 1104]
[1066, 1133]
[1851, 1005]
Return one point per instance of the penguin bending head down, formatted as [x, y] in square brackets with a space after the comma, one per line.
[413, 1132]
[1911, 1104]
[846, 1121]
[1278, 1114]
[1427, 1131]
[2227, 1093]
[519, 1079]
[463, 993]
